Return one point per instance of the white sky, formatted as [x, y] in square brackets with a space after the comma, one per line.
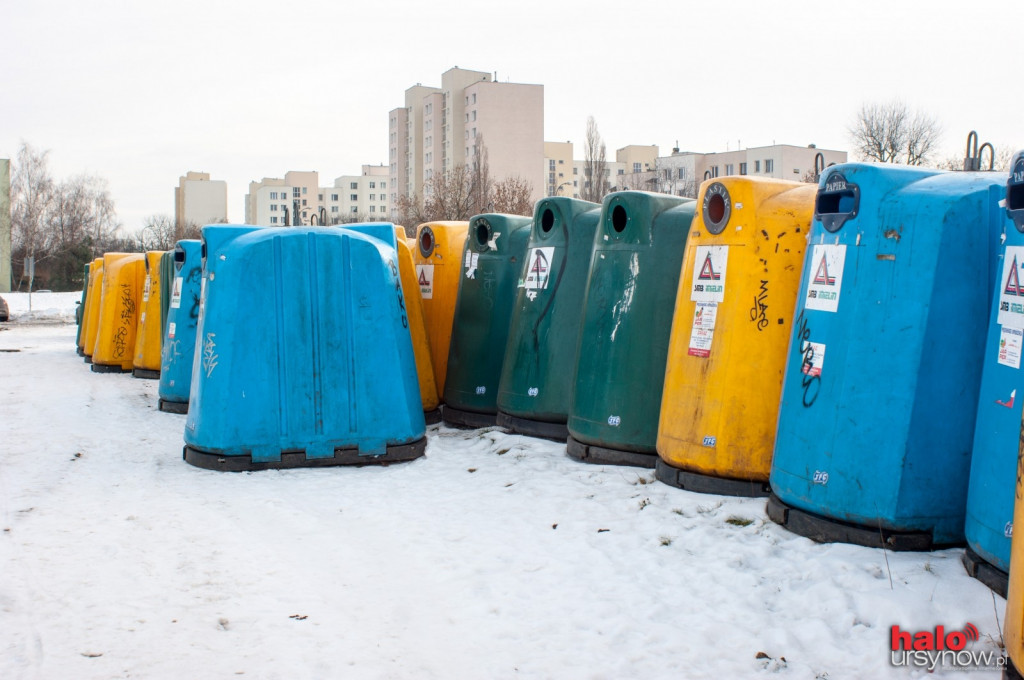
[141, 92]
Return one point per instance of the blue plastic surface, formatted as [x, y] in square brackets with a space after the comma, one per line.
[990, 496]
[179, 343]
[883, 370]
[303, 345]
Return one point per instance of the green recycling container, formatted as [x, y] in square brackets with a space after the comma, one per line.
[537, 376]
[627, 320]
[80, 311]
[491, 262]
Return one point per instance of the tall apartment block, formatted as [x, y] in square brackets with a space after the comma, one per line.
[442, 127]
[297, 197]
[199, 200]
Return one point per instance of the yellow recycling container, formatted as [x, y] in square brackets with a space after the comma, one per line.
[437, 256]
[1014, 618]
[146, 363]
[417, 329]
[123, 275]
[87, 338]
[730, 332]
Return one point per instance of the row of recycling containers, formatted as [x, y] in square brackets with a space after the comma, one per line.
[687, 336]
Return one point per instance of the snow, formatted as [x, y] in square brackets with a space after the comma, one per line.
[494, 556]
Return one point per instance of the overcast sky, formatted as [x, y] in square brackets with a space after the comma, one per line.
[141, 92]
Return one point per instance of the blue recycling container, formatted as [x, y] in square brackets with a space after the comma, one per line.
[303, 353]
[883, 370]
[990, 493]
[179, 337]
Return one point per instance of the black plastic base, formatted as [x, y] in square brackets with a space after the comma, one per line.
[534, 428]
[467, 419]
[602, 456]
[1010, 671]
[146, 374]
[86, 358]
[432, 417]
[823, 530]
[173, 406]
[297, 459]
[107, 368]
[692, 481]
[79, 351]
[986, 572]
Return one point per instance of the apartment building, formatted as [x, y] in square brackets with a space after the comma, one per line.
[200, 200]
[297, 199]
[443, 127]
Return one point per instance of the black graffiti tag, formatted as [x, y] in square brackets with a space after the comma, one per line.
[759, 312]
[398, 292]
[811, 384]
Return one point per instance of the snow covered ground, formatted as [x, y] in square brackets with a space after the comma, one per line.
[495, 556]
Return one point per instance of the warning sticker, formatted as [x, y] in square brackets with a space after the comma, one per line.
[814, 358]
[145, 289]
[826, 280]
[1009, 346]
[170, 330]
[176, 292]
[703, 330]
[1011, 292]
[538, 270]
[471, 262]
[425, 277]
[709, 273]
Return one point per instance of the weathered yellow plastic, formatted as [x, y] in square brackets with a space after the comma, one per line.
[722, 389]
[146, 362]
[87, 338]
[1014, 619]
[438, 269]
[123, 275]
[417, 324]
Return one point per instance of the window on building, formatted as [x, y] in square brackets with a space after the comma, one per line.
[353, 185]
[334, 208]
[383, 209]
[636, 167]
[729, 169]
[354, 197]
[474, 133]
[273, 207]
[373, 197]
[334, 197]
[303, 191]
[373, 208]
[383, 185]
[273, 195]
[743, 168]
[355, 209]
[682, 173]
[373, 185]
[473, 115]
[588, 171]
[319, 197]
[622, 171]
[284, 206]
[273, 220]
[769, 165]
[295, 192]
[303, 203]
[714, 171]
[575, 171]
[757, 166]
[467, 101]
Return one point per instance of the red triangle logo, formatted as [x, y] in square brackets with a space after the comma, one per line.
[707, 272]
[822, 277]
[1012, 286]
[423, 278]
[540, 265]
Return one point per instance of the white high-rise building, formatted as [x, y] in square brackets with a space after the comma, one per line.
[199, 200]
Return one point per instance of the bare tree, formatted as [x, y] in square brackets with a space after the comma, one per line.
[481, 185]
[595, 185]
[512, 196]
[892, 133]
[159, 233]
[32, 194]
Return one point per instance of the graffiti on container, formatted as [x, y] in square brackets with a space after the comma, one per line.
[398, 292]
[810, 383]
[614, 421]
[759, 312]
[209, 354]
[194, 276]
[127, 303]
[120, 342]
[820, 477]
[171, 353]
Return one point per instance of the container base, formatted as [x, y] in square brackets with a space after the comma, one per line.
[602, 456]
[173, 406]
[692, 481]
[108, 368]
[87, 358]
[533, 428]
[297, 459]
[467, 419]
[146, 374]
[986, 572]
[80, 351]
[824, 530]
[432, 417]
[1010, 671]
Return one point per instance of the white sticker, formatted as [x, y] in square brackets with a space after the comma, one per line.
[709, 273]
[1011, 292]
[1009, 346]
[425, 278]
[176, 292]
[814, 359]
[826, 277]
[703, 330]
[145, 289]
[481, 389]
[538, 270]
[533, 391]
[170, 330]
[471, 262]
